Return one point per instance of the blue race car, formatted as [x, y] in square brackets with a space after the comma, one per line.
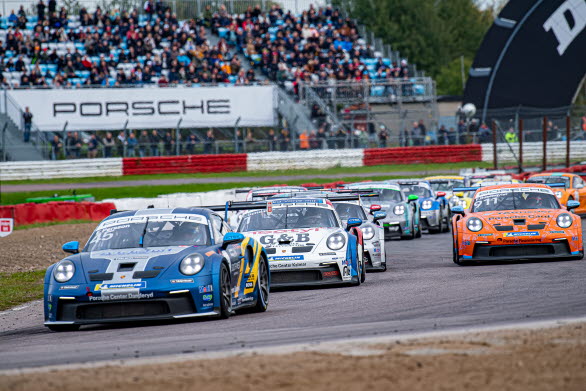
[155, 264]
[435, 209]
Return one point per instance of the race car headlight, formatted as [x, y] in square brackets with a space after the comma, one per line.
[368, 232]
[564, 220]
[399, 209]
[191, 264]
[559, 194]
[64, 271]
[427, 204]
[336, 241]
[474, 224]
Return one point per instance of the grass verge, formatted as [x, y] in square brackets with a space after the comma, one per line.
[20, 287]
[153, 191]
[263, 174]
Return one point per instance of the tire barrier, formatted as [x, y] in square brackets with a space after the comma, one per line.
[427, 154]
[31, 213]
[184, 164]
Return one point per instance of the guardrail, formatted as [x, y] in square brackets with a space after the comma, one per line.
[60, 169]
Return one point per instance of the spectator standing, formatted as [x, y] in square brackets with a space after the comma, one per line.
[209, 141]
[443, 135]
[92, 146]
[56, 146]
[422, 131]
[415, 134]
[511, 136]
[191, 144]
[284, 140]
[169, 144]
[131, 145]
[272, 139]
[484, 134]
[371, 134]
[121, 141]
[154, 141]
[313, 142]
[322, 138]
[41, 10]
[383, 137]
[74, 145]
[341, 138]
[27, 117]
[52, 6]
[109, 144]
[304, 140]
[461, 132]
[143, 141]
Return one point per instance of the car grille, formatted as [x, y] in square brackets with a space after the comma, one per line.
[503, 227]
[535, 226]
[295, 276]
[519, 251]
[270, 250]
[121, 310]
[302, 249]
[101, 276]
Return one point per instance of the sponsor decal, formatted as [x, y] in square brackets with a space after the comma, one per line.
[485, 234]
[346, 271]
[296, 238]
[127, 285]
[6, 227]
[206, 289]
[287, 265]
[575, 238]
[68, 287]
[182, 281]
[324, 254]
[210, 253]
[207, 305]
[556, 232]
[287, 258]
[333, 273]
[376, 250]
[515, 234]
[207, 297]
[466, 243]
[249, 284]
[247, 299]
[123, 296]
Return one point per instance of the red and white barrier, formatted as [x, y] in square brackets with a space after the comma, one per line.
[30, 213]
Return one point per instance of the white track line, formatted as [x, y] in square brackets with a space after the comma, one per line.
[294, 348]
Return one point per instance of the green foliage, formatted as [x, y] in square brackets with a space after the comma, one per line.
[20, 287]
[449, 79]
[430, 33]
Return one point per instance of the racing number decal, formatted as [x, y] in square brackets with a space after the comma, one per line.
[248, 270]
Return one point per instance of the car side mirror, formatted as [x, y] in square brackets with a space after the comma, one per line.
[379, 216]
[232, 238]
[374, 208]
[71, 247]
[353, 222]
[572, 204]
[459, 194]
[458, 210]
[441, 194]
[412, 198]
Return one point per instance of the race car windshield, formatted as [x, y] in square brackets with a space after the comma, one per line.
[156, 234]
[420, 191]
[347, 211]
[289, 217]
[447, 185]
[514, 199]
[550, 179]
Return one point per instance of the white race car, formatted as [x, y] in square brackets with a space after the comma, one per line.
[305, 241]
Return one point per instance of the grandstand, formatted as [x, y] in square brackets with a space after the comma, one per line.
[148, 45]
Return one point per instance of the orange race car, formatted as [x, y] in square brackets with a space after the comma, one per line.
[574, 189]
[516, 222]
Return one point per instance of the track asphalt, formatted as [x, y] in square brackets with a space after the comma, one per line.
[422, 291]
[235, 179]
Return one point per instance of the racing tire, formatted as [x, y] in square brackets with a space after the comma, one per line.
[362, 271]
[418, 233]
[440, 227]
[358, 280]
[456, 256]
[262, 287]
[225, 292]
[411, 236]
[63, 327]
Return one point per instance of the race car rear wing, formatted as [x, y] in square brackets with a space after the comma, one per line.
[474, 188]
[233, 206]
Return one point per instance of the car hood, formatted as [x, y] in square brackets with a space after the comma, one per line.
[515, 220]
[294, 241]
[133, 263]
